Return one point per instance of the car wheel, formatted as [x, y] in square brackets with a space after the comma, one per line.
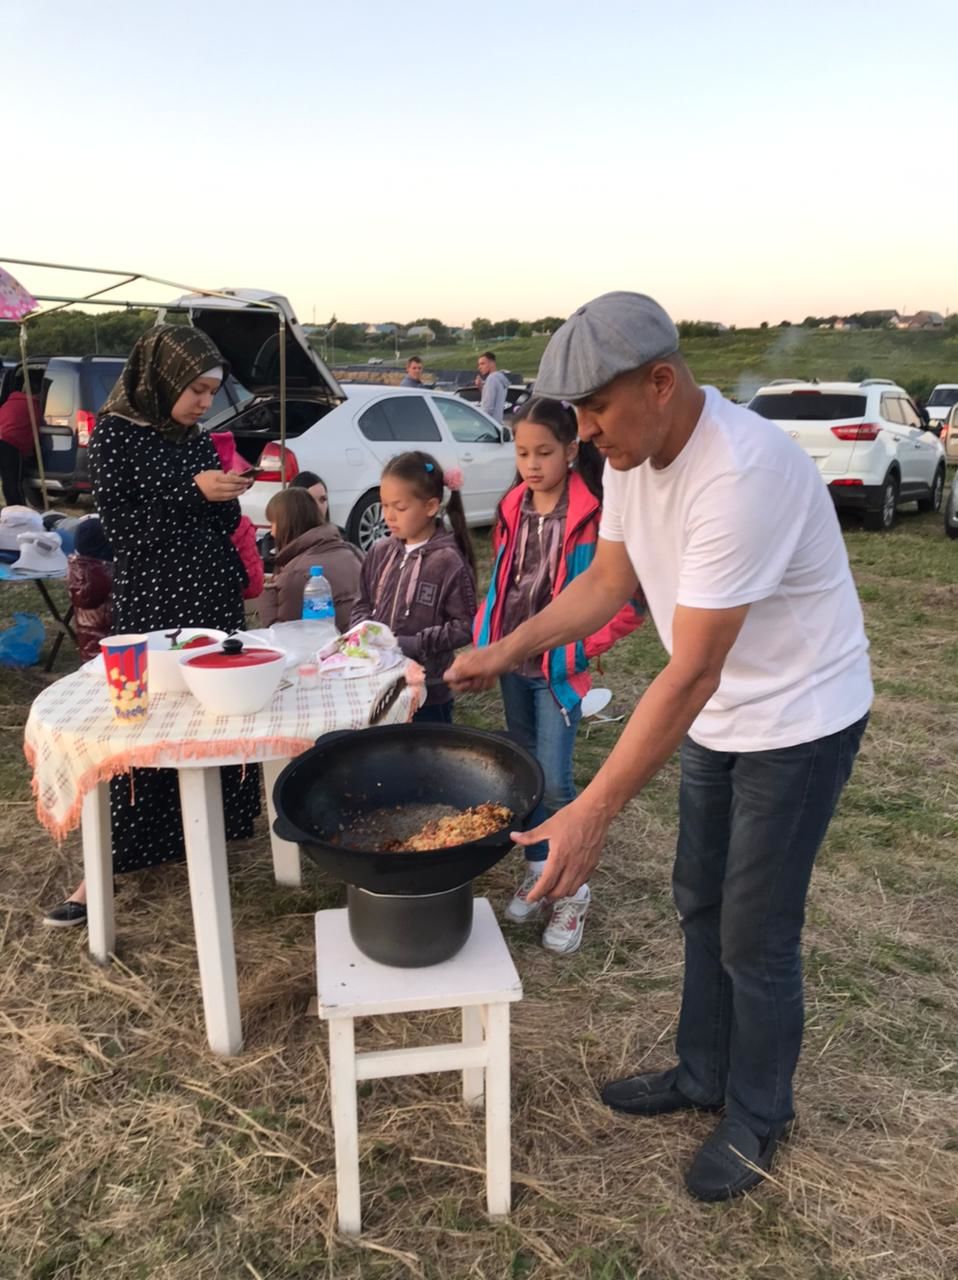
[366, 524]
[881, 518]
[933, 501]
[951, 512]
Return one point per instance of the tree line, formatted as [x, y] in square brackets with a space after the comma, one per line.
[78, 333]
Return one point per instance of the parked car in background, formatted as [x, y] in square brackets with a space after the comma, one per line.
[949, 434]
[867, 440]
[941, 401]
[74, 390]
[517, 393]
[343, 432]
[951, 512]
[349, 446]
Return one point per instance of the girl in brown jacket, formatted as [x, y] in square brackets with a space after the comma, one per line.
[303, 540]
[421, 580]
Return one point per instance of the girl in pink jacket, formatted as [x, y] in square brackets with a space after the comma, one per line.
[545, 535]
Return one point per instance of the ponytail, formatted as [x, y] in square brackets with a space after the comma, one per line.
[460, 530]
[589, 464]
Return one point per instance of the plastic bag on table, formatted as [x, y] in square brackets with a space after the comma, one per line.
[20, 644]
[298, 639]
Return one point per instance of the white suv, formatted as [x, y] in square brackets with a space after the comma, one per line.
[941, 401]
[867, 441]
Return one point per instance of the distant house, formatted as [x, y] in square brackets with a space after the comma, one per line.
[929, 320]
[421, 331]
[380, 330]
[862, 320]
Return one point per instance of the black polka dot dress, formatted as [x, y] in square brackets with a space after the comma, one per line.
[175, 566]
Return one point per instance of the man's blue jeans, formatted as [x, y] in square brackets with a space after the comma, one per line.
[750, 826]
[535, 720]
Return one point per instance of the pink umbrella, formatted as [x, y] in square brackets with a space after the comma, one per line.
[15, 302]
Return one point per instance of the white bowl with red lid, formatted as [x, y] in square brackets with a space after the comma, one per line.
[233, 679]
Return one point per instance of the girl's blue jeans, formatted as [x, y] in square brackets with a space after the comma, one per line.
[536, 721]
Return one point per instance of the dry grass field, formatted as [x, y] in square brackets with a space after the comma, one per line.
[128, 1150]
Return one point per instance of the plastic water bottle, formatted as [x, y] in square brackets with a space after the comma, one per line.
[318, 598]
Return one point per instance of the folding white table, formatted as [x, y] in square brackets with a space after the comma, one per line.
[75, 746]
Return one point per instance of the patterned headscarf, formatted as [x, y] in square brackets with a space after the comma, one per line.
[163, 363]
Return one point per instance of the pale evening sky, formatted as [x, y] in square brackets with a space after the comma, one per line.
[742, 161]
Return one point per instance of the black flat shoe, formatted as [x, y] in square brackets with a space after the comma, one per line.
[66, 915]
[730, 1162]
[653, 1093]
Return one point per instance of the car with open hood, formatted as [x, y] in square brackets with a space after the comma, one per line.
[343, 432]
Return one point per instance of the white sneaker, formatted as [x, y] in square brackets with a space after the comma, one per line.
[563, 934]
[520, 910]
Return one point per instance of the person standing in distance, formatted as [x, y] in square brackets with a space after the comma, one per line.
[726, 524]
[494, 386]
[413, 376]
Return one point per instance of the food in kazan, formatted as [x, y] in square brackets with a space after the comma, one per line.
[459, 828]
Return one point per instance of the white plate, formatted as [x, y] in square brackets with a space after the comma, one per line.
[596, 700]
[388, 659]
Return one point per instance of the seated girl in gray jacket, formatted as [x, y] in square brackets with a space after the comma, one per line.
[303, 540]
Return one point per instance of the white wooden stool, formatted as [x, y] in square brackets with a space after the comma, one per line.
[481, 981]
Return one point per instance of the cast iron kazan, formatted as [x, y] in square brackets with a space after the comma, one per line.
[331, 786]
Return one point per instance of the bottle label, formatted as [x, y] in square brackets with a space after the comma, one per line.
[318, 610]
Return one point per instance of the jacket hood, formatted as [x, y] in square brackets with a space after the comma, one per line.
[582, 505]
[324, 536]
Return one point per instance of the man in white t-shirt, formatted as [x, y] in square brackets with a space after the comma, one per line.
[727, 526]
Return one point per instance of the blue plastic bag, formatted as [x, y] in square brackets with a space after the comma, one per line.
[20, 644]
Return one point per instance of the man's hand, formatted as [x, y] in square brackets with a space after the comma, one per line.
[576, 836]
[478, 669]
[220, 486]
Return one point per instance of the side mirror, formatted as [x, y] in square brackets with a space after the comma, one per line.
[507, 435]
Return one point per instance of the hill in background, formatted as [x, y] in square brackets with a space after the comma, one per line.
[741, 360]
[736, 361]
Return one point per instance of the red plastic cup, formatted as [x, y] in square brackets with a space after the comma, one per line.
[126, 675]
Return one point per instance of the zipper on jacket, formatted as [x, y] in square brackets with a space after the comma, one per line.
[392, 616]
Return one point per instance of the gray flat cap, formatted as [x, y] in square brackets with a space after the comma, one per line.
[612, 334]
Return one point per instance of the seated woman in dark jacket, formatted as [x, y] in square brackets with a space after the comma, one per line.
[302, 540]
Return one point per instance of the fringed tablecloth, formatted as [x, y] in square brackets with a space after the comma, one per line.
[73, 741]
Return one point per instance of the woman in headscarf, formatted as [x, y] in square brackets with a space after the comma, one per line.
[168, 509]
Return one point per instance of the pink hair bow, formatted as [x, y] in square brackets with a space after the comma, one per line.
[452, 479]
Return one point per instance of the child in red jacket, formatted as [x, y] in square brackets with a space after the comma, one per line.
[90, 583]
[546, 532]
[243, 537]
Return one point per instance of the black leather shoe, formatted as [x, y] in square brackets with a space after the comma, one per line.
[65, 915]
[730, 1162]
[653, 1093]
